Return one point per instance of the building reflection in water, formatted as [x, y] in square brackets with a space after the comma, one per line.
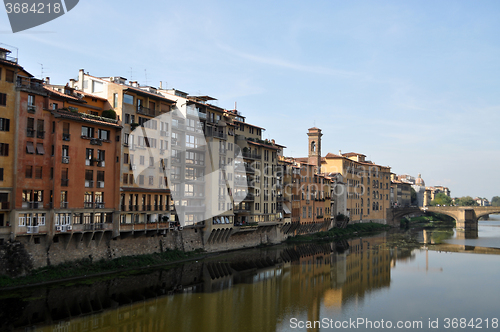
[251, 290]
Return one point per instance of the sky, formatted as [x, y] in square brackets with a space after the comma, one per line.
[410, 84]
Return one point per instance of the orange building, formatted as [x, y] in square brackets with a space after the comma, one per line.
[67, 175]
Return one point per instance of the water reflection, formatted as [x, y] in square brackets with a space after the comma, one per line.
[252, 290]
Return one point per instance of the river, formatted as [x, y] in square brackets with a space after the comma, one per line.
[449, 282]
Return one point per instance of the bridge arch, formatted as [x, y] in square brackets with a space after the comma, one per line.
[480, 214]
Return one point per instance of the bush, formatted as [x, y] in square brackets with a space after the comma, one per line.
[110, 114]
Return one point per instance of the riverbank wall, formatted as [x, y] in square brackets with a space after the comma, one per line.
[27, 252]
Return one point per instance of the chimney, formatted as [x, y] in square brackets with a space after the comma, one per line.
[72, 82]
[80, 78]
[134, 84]
[47, 80]
[161, 85]
[340, 153]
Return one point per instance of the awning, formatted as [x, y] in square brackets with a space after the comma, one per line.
[286, 209]
[39, 148]
[29, 147]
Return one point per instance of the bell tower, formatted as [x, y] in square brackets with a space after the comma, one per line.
[314, 147]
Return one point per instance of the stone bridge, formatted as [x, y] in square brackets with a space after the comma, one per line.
[465, 216]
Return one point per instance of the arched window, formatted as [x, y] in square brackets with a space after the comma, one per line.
[313, 146]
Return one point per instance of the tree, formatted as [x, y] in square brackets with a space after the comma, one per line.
[465, 201]
[413, 196]
[495, 201]
[441, 199]
[110, 114]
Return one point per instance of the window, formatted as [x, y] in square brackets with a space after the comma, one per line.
[38, 172]
[89, 156]
[115, 100]
[125, 138]
[65, 150]
[1, 174]
[141, 179]
[9, 76]
[125, 179]
[128, 99]
[103, 134]
[4, 149]
[87, 132]
[30, 148]
[29, 171]
[125, 158]
[40, 132]
[97, 86]
[151, 181]
[4, 124]
[101, 155]
[3, 99]
[89, 178]
[39, 148]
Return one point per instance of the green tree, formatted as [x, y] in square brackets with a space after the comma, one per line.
[465, 201]
[413, 196]
[441, 199]
[495, 201]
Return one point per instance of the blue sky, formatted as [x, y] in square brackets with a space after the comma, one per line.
[413, 85]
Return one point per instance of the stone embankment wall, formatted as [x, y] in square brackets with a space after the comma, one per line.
[27, 252]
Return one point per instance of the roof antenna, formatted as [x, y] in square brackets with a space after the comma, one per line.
[130, 73]
[41, 70]
[146, 74]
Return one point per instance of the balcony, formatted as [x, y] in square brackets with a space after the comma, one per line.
[99, 205]
[89, 162]
[32, 229]
[64, 182]
[145, 111]
[100, 184]
[249, 155]
[95, 141]
[238, 209]
[32, 205]
[31, 109]
[89, 184]
[66, 137]
[65, 160]
[64, 205]
[4, 205]
[88, 205]
[30, 132]
[40, 134]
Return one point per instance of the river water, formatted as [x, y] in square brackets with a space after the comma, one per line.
[449, 282]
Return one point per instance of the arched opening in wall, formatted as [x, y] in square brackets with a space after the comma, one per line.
[313, 146]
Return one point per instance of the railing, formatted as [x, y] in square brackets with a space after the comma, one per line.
[64, 205]
[4, 205]
[32, 205]
[99, 205]
[32, 229]
[40, 134]
[145, 111]
[89, 184]
[30, 132]
[88, 205]
[101, 163]
[95, 141]
[251, 155]
[100, 184]
[25, 82]
[65, 160]
[31, 108]
[64, 182]
[89, 162]
[238, 209]
[66, 137]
